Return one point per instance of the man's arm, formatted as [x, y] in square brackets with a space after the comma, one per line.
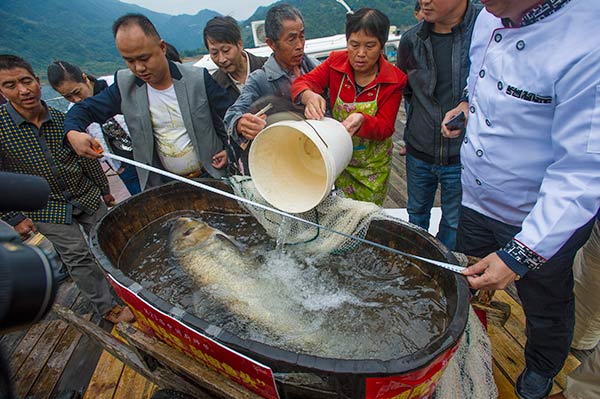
[307, 89]
[569, 195]
[93, 170]
[251, 92]
[98, 108]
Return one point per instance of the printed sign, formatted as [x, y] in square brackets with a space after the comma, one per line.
[417, 385]
[237, 367]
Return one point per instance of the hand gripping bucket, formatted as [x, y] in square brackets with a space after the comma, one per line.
[294, 164]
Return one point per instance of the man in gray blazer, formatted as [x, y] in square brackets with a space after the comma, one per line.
[174, 112]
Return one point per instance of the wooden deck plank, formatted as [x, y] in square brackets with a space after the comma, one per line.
[81, 365]
[131, 385]
[506, 389]
[106, 378]
[507, 352]
[149, 390]
[53, 369]
[23, 349]
[10, 341]
[39, 355]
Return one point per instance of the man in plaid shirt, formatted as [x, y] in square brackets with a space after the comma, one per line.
[31, 142]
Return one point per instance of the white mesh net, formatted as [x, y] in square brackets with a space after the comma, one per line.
[334, 213]
[469, 373]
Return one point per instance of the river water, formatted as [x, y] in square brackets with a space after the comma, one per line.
[54, 99]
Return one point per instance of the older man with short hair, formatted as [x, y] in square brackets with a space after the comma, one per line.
[284, 28]
[223, 40]
[31, 142]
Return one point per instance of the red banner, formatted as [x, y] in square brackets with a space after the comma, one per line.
[237, 367]
[419, 384]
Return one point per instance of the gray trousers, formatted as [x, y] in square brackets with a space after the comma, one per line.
[584, 382]
[72, 247]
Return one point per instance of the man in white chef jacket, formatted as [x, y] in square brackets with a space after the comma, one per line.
[531, 163]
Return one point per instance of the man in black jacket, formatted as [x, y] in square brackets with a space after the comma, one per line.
[435, 56]
[223, 39]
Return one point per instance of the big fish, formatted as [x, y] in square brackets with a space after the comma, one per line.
[216, 263]
[304, 309]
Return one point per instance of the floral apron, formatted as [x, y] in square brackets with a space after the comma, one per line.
[366, 176]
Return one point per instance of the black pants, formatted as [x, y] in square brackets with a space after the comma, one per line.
[546, 294]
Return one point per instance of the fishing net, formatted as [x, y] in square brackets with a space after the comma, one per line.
[334, 213]
[469, 372]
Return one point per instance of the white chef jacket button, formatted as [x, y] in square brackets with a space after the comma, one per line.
[479, 153]
[466, 140]
[498, 37]
[482, 73]
[500, 86]
[472, 109]
[478, 182]
[520, 45]
[488, 122]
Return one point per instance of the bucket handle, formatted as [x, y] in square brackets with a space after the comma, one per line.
[317, 133]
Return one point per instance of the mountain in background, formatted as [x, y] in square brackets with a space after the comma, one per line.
[79, 31]
[327, 17]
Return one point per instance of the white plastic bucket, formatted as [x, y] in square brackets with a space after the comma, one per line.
[294, 164]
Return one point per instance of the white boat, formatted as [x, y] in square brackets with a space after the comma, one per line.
[319, 48]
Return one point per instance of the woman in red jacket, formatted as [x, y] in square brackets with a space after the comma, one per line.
[365, 92]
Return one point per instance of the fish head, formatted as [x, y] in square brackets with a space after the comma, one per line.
[188, 233]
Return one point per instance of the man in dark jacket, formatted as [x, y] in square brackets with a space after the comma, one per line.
[435, 56]
[223, 39]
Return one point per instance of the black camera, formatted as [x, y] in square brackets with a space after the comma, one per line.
[27, 283]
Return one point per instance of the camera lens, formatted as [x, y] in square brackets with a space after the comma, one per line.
[27, 287]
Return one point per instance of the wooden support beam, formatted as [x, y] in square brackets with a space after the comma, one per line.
[173, 369]
[185, 366]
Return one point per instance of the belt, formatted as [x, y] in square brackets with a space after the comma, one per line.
[195, 174]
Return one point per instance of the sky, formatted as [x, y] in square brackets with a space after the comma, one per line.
[238, 9]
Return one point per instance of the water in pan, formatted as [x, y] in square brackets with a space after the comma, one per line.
[366, 304]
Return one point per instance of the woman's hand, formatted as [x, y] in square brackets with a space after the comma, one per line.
[353, 122]
[315, 105]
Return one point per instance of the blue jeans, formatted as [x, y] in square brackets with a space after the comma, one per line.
[422, 180]
[130, 179]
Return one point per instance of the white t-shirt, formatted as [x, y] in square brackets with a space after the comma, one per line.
[173, 143]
